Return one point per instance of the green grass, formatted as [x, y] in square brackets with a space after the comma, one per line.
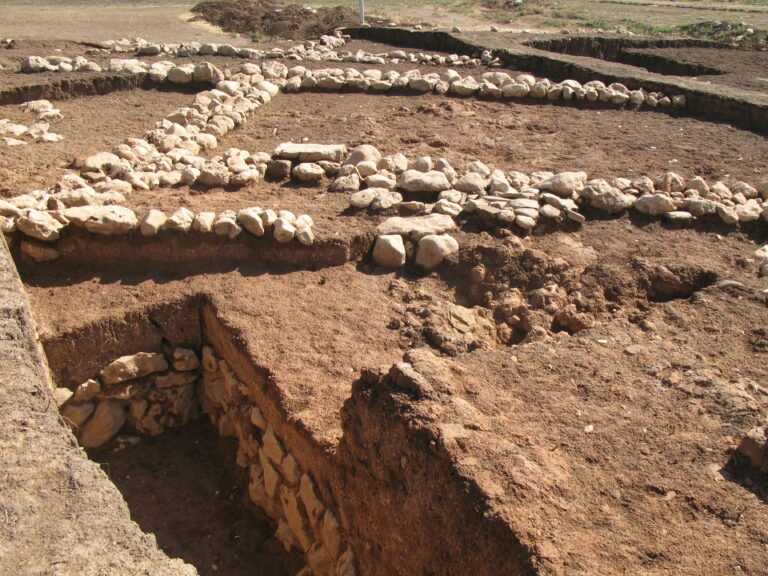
[95, 3]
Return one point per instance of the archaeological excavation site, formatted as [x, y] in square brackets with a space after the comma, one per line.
[383, 302]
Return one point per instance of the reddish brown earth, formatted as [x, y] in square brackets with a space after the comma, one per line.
[182, 487]
[741, 68]
[606, 451]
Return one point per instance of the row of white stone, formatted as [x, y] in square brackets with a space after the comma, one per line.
[37, 131]
[187, 131]
[306, 52]
[278, 482]
[324, 50]
[145, 389]
[42, 229]
[379, 182]
[501, 198]
[491, 84]
[143, 47]
[496, 85]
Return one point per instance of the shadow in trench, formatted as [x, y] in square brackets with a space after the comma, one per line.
[183, 486]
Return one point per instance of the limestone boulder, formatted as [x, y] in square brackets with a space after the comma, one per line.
[40, 225]
[433, 249]
[669, 182]
[133, 366]
[111, 220]
[655, 204]
[417, 227]
[472, 183]
[361, 200]
[106, 421]
[384, 199]
[348, 183]
[564, 184]
[311, 152]
[152, 223]
[389, 251]
[250, 220]
[309, 172]
[606, 198]
[213, 175]
[423, 182]
[226, 224]
[283, 230]
[360, 154]
[39, 252]
[181, 220]
[105, 162]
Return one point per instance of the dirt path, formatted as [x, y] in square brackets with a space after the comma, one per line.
[166, 23]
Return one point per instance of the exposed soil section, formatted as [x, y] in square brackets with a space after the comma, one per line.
[182, 486]
[313, 329]
[269, 18]
[316, 330]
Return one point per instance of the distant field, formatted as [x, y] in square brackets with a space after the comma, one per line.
[167, 19]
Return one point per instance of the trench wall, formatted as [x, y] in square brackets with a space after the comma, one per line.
[191, 252]
[91, 85]
[59, 510]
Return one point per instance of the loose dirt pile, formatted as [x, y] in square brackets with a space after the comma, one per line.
[265, 18]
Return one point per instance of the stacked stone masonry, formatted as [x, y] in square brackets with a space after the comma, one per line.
[279, 482]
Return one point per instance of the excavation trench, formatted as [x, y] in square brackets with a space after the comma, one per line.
[630, 51]
[384, 499]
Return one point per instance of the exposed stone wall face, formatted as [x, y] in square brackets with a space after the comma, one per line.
[279, 482]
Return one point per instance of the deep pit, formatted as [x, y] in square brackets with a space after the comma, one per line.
[182, 486]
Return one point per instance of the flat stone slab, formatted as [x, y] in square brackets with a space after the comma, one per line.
[417, 227]
[311, 152]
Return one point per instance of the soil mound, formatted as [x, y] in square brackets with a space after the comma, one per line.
[264, 18]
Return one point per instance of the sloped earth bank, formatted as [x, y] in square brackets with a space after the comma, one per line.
[568, 404]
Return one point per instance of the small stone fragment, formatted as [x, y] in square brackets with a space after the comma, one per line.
[185, 360]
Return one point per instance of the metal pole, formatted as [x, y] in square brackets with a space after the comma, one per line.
[362, 12]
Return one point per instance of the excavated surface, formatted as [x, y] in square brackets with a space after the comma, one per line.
[666, 401]
[605, 450]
